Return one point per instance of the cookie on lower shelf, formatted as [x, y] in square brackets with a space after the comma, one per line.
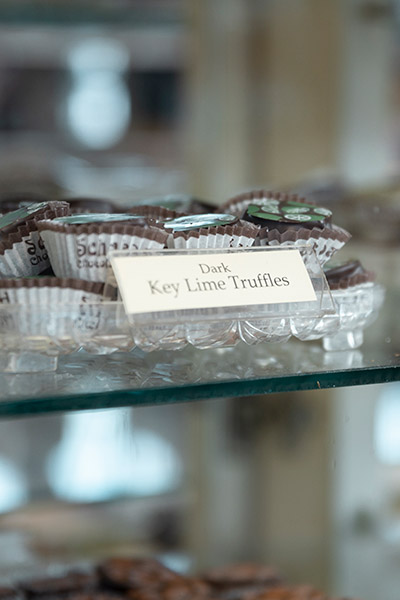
[73, 581]
[244, 580]
[135, 573]
[9, 593]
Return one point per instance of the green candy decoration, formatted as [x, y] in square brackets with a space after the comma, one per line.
[289, 211]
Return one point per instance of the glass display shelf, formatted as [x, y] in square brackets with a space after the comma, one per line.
[74, 13]
[84, 381]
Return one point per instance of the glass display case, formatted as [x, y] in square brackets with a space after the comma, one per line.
[284, 454]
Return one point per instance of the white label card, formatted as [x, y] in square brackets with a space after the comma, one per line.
[166, 282]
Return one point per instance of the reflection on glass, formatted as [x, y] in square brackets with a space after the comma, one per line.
[100, 457]
[13, 489]
[98, 105]
[387, 425]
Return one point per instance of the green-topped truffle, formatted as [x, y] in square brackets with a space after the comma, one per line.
[282, 214]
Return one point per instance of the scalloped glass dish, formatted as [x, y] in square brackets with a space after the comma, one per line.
[207, 322]
[32, 337]
[356, 309]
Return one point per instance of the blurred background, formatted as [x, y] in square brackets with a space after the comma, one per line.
[131, 100]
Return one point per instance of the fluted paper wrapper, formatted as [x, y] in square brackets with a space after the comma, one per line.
[240, 235]
[22, 252]
[25, 258]
[325, 242]
[50, 307]
[49, 290]
[353, 281]
[83, 253]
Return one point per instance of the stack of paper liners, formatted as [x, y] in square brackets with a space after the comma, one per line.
[237, 235]
[50, 307]
[81, 250]
[22, 252]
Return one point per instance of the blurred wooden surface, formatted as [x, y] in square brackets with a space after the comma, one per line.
[262, 92]
[302, 69]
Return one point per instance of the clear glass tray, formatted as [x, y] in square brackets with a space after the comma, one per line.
[88, 381]
[32, 337]
[222, 326]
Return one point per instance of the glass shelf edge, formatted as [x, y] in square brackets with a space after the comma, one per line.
[198, 392]
[46, 14]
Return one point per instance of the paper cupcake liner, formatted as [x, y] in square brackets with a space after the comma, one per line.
[238, 204]
[27, 257]
[22, 252]
[13, 234]
[84, 255]
[50, 314]
[357, 279]
[326, 242]
[240, 235]
[49, 290]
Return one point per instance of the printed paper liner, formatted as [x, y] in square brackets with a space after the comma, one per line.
[47, 309]
[49, 291]
[53, 329]
[22, 252]
[103, 328]
[81, 250]
[27, 257]
[239, 235]
[326, 242]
